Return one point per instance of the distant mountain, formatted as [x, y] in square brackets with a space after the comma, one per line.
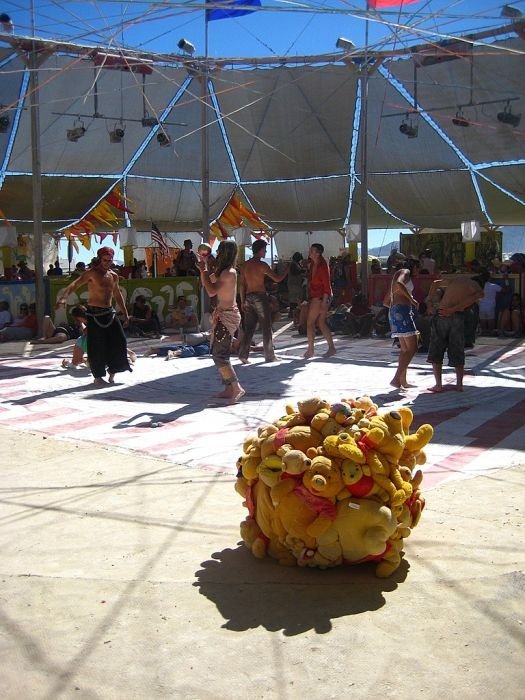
[513, 240]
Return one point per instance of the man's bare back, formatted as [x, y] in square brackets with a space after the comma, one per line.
[459, 293]
[253, 273]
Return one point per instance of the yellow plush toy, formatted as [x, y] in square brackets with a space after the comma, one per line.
[338, 487]
[300, 437]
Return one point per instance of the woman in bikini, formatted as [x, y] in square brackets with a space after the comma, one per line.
[401, 317]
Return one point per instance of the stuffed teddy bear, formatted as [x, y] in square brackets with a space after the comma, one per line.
[309, 407]
[359, 483]
[341, 446]
[294, 463]
[325, 424]
[300, 437]
[363, 529]
[270, 469]
[305, 510]
[264, 541]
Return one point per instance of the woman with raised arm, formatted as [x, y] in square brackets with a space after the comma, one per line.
[402, 325]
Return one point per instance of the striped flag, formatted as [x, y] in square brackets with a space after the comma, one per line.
[158, 238]
[224, 9]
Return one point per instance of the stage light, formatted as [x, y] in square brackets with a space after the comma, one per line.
[117, 134]
[459, 119]
[345, 44]
[76, 132]
[507, 116]
[163, 138]
[186, 47]
[511, 12]
[149, 121]
[409, 129]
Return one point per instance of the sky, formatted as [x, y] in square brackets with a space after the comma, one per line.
[285, 28]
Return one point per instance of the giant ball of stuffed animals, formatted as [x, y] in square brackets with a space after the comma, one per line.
[329, 484]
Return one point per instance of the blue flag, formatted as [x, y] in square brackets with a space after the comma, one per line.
[224, 9]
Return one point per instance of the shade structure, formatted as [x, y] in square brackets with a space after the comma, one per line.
[285, 139]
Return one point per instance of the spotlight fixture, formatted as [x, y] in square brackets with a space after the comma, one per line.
[186, 47]
[149, 121]
[460, 120]
[511, 12]
[4, 121]
[409, 128]
[345, 44]
[163, 138]
[117, 134]
[76, 132]
[507, 117]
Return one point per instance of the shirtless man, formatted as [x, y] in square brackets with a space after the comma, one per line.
[255, 302]
[448, 324]
[106, 346]
[226, 316]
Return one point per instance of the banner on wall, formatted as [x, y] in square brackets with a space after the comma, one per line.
[161, 293]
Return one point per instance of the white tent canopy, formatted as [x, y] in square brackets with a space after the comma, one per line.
[284, 137]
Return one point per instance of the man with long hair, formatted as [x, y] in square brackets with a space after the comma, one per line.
[106, 346]
[226, 316]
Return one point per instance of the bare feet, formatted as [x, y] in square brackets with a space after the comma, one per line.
[396, 385]
[111, 379]
[231, 395]
[437, 389]
[226, 394]
[244, 360]
[406, 385]
[330, 352]
[308, 354]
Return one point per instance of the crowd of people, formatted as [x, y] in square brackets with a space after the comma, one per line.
[249, 297]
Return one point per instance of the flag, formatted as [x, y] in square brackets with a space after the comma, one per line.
[377, 4]
[158, 238]
[224, 9]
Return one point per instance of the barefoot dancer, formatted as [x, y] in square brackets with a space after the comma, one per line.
[319, 291]
[448, 325]
[226, 316]
[106, 344]
[401, 317]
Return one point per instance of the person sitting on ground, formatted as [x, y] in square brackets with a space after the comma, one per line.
[143, 320]
[182, 318]
[23, 327]
[54, 335]
[511, 320]
[79, 359]
[6, 317]
[360, 318]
